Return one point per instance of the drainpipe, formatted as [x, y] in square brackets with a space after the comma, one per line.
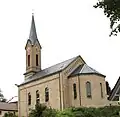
[60, 92]
[79, 89]
[26, 103]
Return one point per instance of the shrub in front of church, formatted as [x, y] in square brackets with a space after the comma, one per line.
[77, 112]
[42, 111]
[65, 113]
[111, 111]
[49, 112]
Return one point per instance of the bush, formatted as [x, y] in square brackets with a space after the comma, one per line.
[43, 111]
[9, 115]
[49, 112]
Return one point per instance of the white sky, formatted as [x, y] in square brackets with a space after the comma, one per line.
[65, 28]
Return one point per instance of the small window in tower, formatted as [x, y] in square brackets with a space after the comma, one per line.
[36, 59]
[29, 99]
[75, 91]
[46, 94]
[37, 97]
[28, 60]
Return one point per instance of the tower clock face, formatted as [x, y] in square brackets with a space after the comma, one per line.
[28, 50]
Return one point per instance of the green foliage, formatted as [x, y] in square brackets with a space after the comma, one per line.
[38, 111]
[112, 11]
[65, 113]
[108, 89]
[2, 99]
[112, 111]
[43, 111]
[49, 112]
[9, 115]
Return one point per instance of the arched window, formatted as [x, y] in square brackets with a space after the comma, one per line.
[46, 94]
[0, 112]
[88, 89]
[101, 90]
[28, 60]
[29, 99]
[36, 59]
[37, 97]
[75, 91]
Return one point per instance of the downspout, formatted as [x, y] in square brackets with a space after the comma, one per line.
[60, 92]
[63, 91]
[26, 103]
[19, 113]
[79, 89]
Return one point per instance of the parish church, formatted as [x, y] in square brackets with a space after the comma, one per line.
[66, 84]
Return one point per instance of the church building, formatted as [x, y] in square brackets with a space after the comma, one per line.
[66, 84]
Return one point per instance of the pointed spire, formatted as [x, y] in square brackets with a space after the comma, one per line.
[33, 34]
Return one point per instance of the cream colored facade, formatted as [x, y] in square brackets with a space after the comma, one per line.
[57, 91]
[59, 82]
[96, 100]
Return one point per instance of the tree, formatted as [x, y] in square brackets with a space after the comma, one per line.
[112, 11]
[37, 112]
[9, 115]
[2, 99]
[108, 88]
[42, 111]
[49, 112]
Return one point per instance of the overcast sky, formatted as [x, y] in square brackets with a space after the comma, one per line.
[65, 29]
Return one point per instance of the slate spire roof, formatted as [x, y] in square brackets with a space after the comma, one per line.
[33, 34]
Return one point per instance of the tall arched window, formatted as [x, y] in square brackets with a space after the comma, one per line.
[101, 90]
[29, 99]
[36, 59]
[46, 94]
[0, 112]
[37, 97]
[75, 91]
[28, 60]
[88, 89]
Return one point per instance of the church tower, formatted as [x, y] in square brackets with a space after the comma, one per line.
[33, 52]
